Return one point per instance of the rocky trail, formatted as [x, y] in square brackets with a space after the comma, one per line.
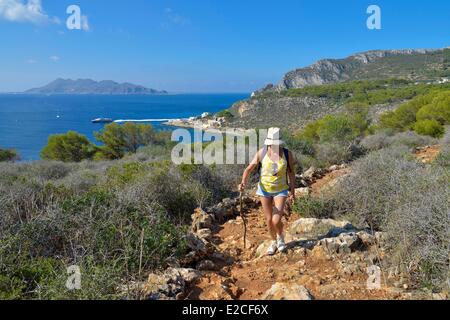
[326, 259]
[427, 154]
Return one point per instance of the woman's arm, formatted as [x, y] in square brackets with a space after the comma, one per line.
[252, 166]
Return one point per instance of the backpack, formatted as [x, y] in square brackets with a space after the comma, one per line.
[263, 155]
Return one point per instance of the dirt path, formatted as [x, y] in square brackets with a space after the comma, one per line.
[428, 154]
[241, 274]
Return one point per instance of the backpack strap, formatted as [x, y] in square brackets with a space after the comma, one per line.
[286, 156]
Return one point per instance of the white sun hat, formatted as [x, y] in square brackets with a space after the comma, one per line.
[273, 137]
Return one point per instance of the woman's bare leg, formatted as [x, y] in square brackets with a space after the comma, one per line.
[277, 222]
[268, 213]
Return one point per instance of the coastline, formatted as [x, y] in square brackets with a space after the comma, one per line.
[202, 125]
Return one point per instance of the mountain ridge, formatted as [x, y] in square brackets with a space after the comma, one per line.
[89, 86]
[309, 93]
[411, 64]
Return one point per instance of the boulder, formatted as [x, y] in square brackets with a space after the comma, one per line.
[204, 234]
[170, 285]
[188, 274]
[287, 291]
[262, 249]
[199, 249]
[367, 238]
[302, 192]
[333, 168]
[201, 220]
[309, 174]
[225, 210]
[206, 265]
[345, 243]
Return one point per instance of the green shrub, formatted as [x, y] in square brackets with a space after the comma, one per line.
[443, 159]
[430, 128]
[68, 147]
[8, 155]
[432, 106]
[121, 139]
[313, 207]
[342, 128]
[305, 162]
[390, 192]
[225, 114]
[438, 109]
[385, 139]
[328, 154]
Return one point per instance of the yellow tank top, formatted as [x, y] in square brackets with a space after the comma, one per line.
[274, 175]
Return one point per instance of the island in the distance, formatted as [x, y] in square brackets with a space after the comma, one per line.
[89, 86]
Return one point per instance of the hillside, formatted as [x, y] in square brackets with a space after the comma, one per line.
[328, 259]
[417, 65]
[88, 86]
[328, 86]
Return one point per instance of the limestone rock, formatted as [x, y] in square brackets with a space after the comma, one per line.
[206, 265]
[287, 291]
[262, 249]
[345, 243]
[225, 210]
[201, 220]
[302, 192]
[170, 285]
[199, 249]
[204, 234]
[308, 174]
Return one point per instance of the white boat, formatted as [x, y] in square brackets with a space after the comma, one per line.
[102, 120]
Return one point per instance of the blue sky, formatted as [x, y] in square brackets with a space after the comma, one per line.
[201, 45]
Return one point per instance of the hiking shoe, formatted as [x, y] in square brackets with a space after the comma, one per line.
[281, 245]
[272, 248]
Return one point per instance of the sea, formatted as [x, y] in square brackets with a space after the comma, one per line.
[26, 121]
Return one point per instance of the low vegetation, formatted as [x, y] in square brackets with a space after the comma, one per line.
[119, 210]
[8, 155]
[225, 114]
[69, 147]
[116, 141]
[102, 216]
[425, 114]
[391, 191]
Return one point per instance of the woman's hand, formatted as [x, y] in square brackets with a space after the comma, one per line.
[241, 187]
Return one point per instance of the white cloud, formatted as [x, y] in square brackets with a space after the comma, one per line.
[25, 11]
[31, 61]
[55, 58]
[175, 18]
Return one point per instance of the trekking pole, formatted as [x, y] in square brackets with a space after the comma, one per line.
[243, 218]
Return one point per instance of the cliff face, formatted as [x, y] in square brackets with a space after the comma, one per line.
[285, 112]
[377, 64]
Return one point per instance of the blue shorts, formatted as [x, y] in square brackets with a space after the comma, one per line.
[262, 193]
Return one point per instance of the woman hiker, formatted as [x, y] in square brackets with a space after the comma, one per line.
[277, 179]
